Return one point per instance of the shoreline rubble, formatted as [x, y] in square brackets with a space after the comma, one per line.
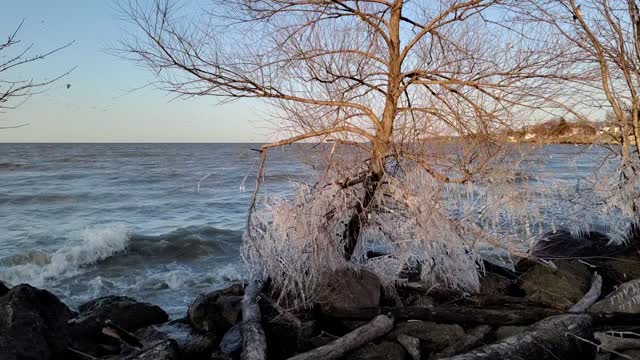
[515, 315]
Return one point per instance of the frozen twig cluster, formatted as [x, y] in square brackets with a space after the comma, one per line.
[415, 220]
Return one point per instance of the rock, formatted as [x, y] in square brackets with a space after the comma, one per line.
[3, 289]
[351, 289]
[33, 325]
[230, 307]
[563, 286]
[411, 345]
[282, 339]
[433, 337]
[561, 244]
[192, 344]
[219, 355]
[504, 332]
[494, 284]
[386, 350]
[216, 311]
[346, 325]
[624, 299]
[163, 350]
[122, 311]
[424, 300]
[312, 342]
[232, 340]
[126, 312]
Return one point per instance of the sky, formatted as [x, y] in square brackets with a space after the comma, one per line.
[107, 100]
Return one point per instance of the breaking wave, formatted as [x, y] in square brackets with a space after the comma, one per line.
[115, 246]
[36, 267]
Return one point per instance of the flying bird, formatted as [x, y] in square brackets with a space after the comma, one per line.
[68, 86]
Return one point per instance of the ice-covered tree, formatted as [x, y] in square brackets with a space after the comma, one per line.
[416, 98]
[605, 53]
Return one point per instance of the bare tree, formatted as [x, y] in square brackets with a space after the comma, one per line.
[14, 56]
[418, 94]
[605, 37]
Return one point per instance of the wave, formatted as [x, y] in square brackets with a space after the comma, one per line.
[115, 247]
[11, 166]
[177, 277]
[36, 267]
[185, 243]
[35, 199]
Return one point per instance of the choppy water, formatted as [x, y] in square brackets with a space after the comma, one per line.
[161, 222]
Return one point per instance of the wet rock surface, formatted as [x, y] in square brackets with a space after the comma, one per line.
[217, 311]
[564, 285]
[33, 325]
[364, 290]
[384, 351]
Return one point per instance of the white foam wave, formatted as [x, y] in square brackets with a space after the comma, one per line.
[182, 277]
[96, 243]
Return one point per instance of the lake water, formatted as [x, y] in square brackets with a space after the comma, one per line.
[160, 222]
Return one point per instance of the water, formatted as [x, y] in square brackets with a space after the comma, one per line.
[85, 220]
[160, 222]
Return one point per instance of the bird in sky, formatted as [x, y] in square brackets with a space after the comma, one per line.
[68, 86]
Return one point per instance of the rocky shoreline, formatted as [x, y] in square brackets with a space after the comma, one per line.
[578, 300]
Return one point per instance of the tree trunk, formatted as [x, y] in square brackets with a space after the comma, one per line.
[254, 342]
[550, 339]
[359, 218]
[353, 340]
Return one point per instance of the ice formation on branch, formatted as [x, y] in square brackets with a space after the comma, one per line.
[416, 220]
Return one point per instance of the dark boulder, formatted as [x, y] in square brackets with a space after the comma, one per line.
[561, 244]
[216, 311]
[351, 289]
[33, 325]
[123, 311]
[386, 350]
[163, 350]
[232, 340]
[126, 312]
[192, 344]
[562, 286]
[433, 337]
[3, 289]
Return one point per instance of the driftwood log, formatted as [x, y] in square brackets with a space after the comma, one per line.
[254, 342]
[590, 297]
[377, 327]
[558, 337]
[450, 314]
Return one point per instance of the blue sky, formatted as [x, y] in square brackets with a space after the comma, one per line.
[100, 106]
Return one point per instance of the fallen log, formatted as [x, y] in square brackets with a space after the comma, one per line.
[116, 332]
[377, 327]
[557, 337]
[590, 297]
[449, 314]
[617, 343]
[254, 342]
[503, 301]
